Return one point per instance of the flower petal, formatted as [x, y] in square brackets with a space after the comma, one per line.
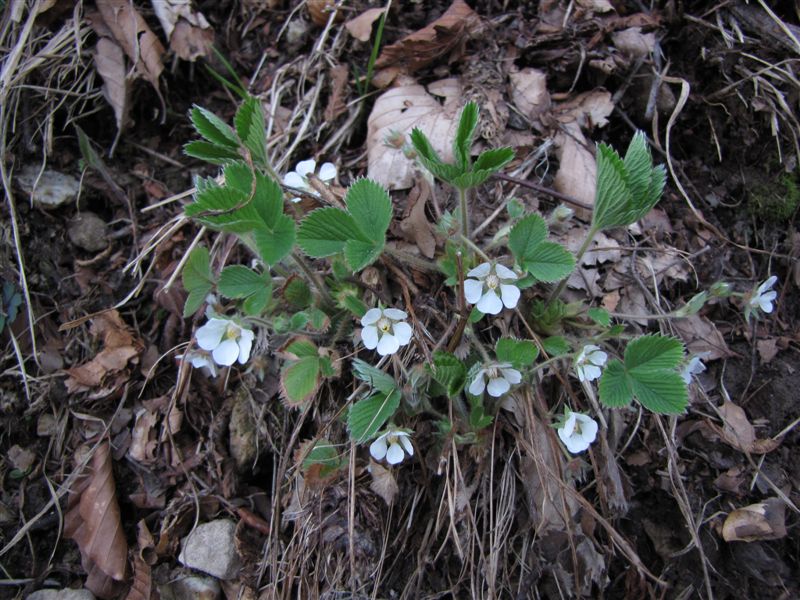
[395, 314]
[395, 454]
[405, 441]
[497, 387]
[304, 167]
[294, 180]
[591, 372]
[478, 384]
[588, 428]
[512, 376]
[575, 444]
[473, 290]
[598, 357]
[369, 335]
[371, 316]
[767, 285]
[402, 331]
[480, 271]
[504, 272]
[245, 345]
[378, 448]
[490, 303]
[510, 295]
[226, 353]
[388, 344]
[327, 171]
[210, 335]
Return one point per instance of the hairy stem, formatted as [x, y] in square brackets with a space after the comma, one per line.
[581, 251]
[410, 259]
[313, 278]
[462, 202]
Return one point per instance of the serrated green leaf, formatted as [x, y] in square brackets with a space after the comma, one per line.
[297, 293]
[638, 166]
[324, 454]
[355, 305]
[256, 303]
[239, 176]
[276, 243]
[268, 200]
[300, 381]
[462, 144]
[223, 208]
[197, 271]
[318, 319]
[612, 195]
[325, 231]
[555, 345]
[615, 386]
[449, 371]
[366, 417]
[302, 348]
[493, 160]
[653, 352]
[599, 316]
[298, 321]
[423, 146]
[359, 254]
[550, 262]
[214, 129]
[375, 377]
[515, 208]
[194, 300]
[478, 419]
[239, 282]
[371, 208]
[520, 353]
[470, 179]
[216, 155]
[251, 129]
[661, 392]
[526, 235]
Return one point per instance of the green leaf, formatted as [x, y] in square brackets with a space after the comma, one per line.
[493, 160]
[371, 208]
[449, 371]
[239, 282]
[250, 127]
[275, 243]
[325, 231]
[375, 377]
[638, 166]
[298, 321]
[470, 179]
[462, 144]
[324, 454]
[354, 304]
[520, 353]
[550, 262]
[423, 147]
[515, 208]
[223, 208]
[360, 254]
[615, 386]
[526, 236]
[555, 345]
[257, 302]
[612, 196]
[209, 152]
[268, 200]
[366, 417]
[302, 348]
[653, 352]
[214, 129]
[297, 293]
[194, 300]
[662, 392]
[239, 176]
[599, 316]
[478, 419]
[197, 270]
[300, 381]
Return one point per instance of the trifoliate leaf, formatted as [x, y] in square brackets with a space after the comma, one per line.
[214, 129]
[366, 417]
[550, 262]
[375, 377]
[599, 316]
[276, 242]
[449, 371]
[216, 155]
[300, 381]
[526, 236]
[653, 352]
[325, 231]
[470, 179]
[520, 353]
[661, 392]
[615, 386]
[462, 144]
[493, 160]
[371, 208]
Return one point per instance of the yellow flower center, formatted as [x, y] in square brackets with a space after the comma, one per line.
[232, 332]
[384, 325]
[492, 281]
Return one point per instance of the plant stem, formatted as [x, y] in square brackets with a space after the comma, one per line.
[474, 247]
[581, 251]
[410, 259]
[462, 202]
[313, 278]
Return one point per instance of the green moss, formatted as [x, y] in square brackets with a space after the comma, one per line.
[774, 201]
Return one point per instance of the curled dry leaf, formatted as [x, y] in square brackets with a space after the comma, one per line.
[445, 34]
[383, 482]
[93, 521]
[401, 109]
[529, 92]
[577, 169]
[360, 27]
[634, 43]
[109, 59]
[702, 336]
[738, 432]
[416, 227]
[189, 33]
[756, 522]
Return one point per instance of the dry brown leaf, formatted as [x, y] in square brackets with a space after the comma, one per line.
[529, 92]
[360, 27]
[597, 6]
[399, 110]
[602, 249]
[445, 34]
[756, 522]
[767, 349]
[634, 43]
[336, 105]
[702, 336]
[144, 437]
[383, 482]
[190, 42]
[416, 227]
[109, 59]
[138, 41]
[93, 521]
[738, 432]
[577, 169]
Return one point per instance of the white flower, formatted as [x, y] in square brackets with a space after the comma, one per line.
[763, 296]
[226, 341]
[385, 329]
[200, 359]
[589, 361]
[578, 432]
[501, 377]
[298, 178]
[694, 367]
[392, 445]
[482, 290]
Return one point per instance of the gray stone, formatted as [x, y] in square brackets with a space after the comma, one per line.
[211, 548]
[65, 594]
[196, 588]
[52, 188]
[88, 231]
